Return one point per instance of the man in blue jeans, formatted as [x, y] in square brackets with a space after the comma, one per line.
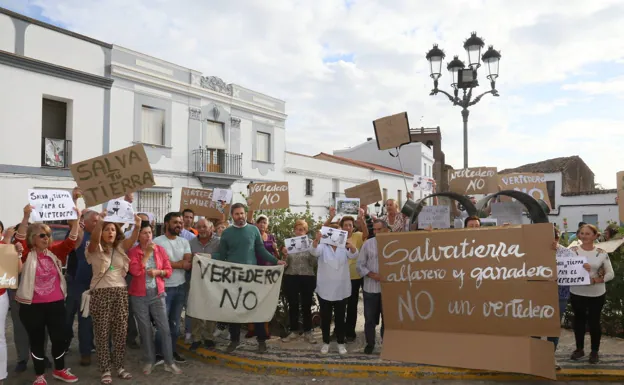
[179, 251]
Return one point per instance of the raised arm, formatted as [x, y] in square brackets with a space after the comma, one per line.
[129, 242]
[332, 214]
[362, 224]
[23, 227]
[63, 249]
[96, 234]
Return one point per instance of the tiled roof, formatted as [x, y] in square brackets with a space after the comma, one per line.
[358, 163]
[592, 192]
[545, 166]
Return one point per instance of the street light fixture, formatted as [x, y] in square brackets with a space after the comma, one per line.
[377, 208]
[463, 78]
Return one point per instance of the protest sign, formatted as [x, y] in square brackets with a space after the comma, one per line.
[119, 211]
[392, 131]
[423, 183]
[269, 196]
[348, 206]
[51, 205]
[334, 237]
[9, 267]
[475, 180]
[620, 195]
[488, 222]
[231, 292]
[507, 212]
[533, 184]
[368, 193]
[200, 201]
[611, 245]
[438, 217]
[570, 270]
[113, 175]
[490, 281]
[297, 244]
[222, 195]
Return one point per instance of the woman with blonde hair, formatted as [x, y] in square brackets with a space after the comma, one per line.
[394, 218]
[108, 306]
[42, 291]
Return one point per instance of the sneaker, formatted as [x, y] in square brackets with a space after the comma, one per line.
[557, 366]
[178, 358]
[290, 337]
[159, 360]
[325, 349]
[85, 360]
[342, 349]
[209, 344]
[147, 369]
[64, 375]
[173, 368]
[232, 346]
[188, 338]
[40, 380]
[21, 367]
[594, 358]
[369, 349]
[309, 338]
[216, 333]
[262, 348]
[194, 346]
[577, 354]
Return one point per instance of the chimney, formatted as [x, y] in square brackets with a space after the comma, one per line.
[369, 139]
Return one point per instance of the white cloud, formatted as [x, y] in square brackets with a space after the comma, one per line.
[613, 86]
[277, 47]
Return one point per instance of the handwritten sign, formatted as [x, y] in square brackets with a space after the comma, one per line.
[423, 183]
[202, 204]
[9, 267]
[113, 175]
[368, 193]
[230, 292]
[620, 194]
[570, 271]
[477, 180]
[269, 196]
[438, 217]
[222, 195]
[297, 244]
[119, 211]
[392, 131]
[334, 237]
[533, 184]
[51, 205]
[348, 206]
[492, 281]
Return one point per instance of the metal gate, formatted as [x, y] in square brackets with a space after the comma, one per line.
[157, 203]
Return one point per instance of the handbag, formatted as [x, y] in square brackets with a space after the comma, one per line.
[85, 299]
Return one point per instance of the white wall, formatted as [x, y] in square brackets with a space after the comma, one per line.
[122, 118]
[7, 34]
[573, 208]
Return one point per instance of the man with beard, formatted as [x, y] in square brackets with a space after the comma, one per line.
[239, 244]
[206, 243]
[179, 251]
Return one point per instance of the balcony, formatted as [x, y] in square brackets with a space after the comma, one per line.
[216, 168]
[55, 153]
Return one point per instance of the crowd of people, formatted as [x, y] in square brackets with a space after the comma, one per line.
[122, 285]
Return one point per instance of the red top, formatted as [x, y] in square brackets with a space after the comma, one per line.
[61, 249]
[137, 270]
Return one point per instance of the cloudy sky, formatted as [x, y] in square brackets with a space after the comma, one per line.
[339, 64]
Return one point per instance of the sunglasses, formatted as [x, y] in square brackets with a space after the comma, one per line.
[45, 235]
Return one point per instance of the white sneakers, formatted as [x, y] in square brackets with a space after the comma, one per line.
[342, 349]
[290, 337]
[325, 349]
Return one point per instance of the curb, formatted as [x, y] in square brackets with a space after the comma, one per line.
[414, 372]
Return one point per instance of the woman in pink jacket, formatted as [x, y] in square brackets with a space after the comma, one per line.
[149, 266]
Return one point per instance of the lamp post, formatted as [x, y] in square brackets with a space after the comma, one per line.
[377, 208]
[465, 79]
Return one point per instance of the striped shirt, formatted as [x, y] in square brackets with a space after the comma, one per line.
[368, 262]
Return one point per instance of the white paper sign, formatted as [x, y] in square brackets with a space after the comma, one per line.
[51, 205]
[297, 244]
[334, 237]
[119, 211]
[423, 183]
[570, 271]
[488, 222]
[231, 292]
[348, 206]
[222, 195]
[507, 212]
[438, 217]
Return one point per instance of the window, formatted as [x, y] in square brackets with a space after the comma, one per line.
[263, 143]
[154, 202]
[152, 125]
[385, 195]
[55, 148]
[308, 187]
[591, 219]
[550, 186]
[400, 198]
[213, 135]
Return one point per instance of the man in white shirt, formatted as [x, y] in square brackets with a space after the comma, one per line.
[179, 251]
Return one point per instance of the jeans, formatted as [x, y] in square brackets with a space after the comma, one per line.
[352, 307]
[152, 305]
[4, 309]
[133, 332]
[299, 290]
[85, 325]
[258, 328]
[175, 302]
[338, 310]
[587, 310]
[372, 311]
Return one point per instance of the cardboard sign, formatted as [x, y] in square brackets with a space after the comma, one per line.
[612, 245]
[570, 271]
[438, 217]
[368, 193]
[392, 131]
[533, 184]
[423, 183]
[620, 194]
[269, 196]
[334, 237]
[231, 292]
[200, 201]
[9, 267]
[222, 195]
[348, 206]
[298, 244]
[507, 212]
[113, 175]
[51, 205]
[471, 181]
[488, 281]
[119, 211]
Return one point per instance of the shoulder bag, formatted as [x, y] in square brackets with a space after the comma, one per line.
[85, 300]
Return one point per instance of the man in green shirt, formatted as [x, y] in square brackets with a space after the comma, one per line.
[242, 243]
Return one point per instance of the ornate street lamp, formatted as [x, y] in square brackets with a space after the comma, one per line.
[377, 208]
[463, 78]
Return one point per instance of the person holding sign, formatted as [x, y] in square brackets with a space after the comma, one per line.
[333, 287]
[587, 301]
[397, 221]
[107, 256]
[42, 291]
